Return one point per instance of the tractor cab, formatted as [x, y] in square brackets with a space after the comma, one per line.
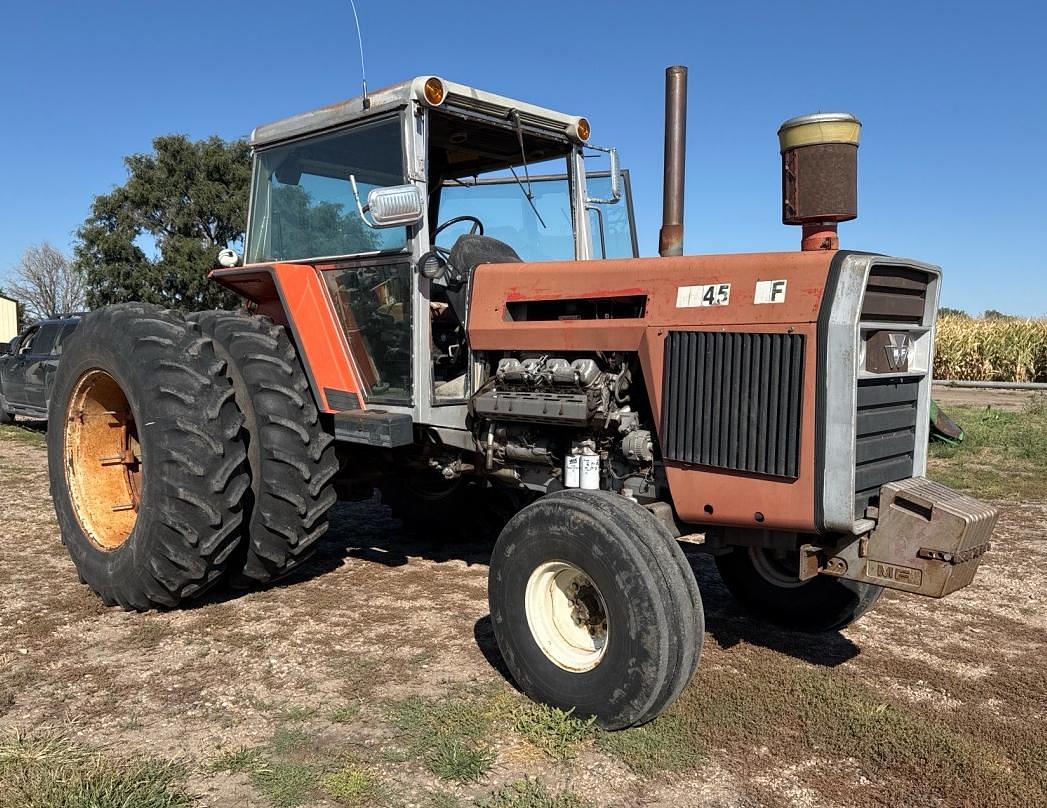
[394, 199]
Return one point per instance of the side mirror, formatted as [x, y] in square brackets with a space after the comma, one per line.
[394, 206]
[12, 346]
[616, 176]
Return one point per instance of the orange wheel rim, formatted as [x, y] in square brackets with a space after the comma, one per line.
[103, 459]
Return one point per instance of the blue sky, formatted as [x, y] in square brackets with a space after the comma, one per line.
[953, 97]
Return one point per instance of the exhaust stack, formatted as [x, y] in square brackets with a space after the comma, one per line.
[820, 175]
[670, 239]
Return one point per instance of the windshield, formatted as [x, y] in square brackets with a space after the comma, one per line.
[303, 203]
[502, 206]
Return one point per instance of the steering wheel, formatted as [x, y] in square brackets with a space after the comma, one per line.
[434, 263]
[476, 230]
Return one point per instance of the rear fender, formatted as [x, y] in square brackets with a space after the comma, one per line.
[293, 295]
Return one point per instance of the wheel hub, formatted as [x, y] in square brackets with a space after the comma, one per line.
[567, 615]
[103, 459]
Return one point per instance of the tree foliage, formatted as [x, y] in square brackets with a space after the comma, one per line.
[310, 228]
[46, 284]
[189, 200]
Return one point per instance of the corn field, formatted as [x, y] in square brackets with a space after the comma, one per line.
[999, 350]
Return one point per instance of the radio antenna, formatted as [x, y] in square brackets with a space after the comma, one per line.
[360, 40]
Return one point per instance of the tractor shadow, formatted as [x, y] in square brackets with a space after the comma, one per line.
[366, 530]
[726, 624]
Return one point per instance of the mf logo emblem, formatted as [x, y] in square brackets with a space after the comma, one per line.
[906, 576]
[897, 348]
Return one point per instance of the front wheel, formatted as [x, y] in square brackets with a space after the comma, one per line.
[765, 582]
[595, 608]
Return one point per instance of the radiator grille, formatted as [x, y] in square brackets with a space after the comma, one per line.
[885, 436]
[895, 294]
[733, 400]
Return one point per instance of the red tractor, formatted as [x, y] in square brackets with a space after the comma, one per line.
[443, 300]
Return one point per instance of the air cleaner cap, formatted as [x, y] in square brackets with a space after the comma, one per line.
[819, 128]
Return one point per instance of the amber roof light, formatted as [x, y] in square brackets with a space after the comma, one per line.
[434, 91]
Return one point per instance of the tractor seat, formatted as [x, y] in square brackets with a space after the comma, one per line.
[468, 252]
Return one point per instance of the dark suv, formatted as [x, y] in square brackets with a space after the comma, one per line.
[27, 367]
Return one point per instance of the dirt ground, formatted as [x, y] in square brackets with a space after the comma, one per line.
[381, 615]
[995, 397]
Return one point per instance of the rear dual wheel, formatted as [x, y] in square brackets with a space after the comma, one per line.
[291, 458]
[595, 608]
[147, 468]
[181, 452]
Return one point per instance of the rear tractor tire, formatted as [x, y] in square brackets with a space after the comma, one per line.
[292, 459]
[766, 584]
[595, 608]
[148, 470]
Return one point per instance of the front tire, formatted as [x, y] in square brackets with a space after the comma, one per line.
[147, 468]
[763, 582]
[5, 416]
[595, 608]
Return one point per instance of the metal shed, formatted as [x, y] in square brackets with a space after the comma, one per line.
[8, 319]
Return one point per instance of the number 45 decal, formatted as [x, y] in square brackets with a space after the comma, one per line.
[713, 294]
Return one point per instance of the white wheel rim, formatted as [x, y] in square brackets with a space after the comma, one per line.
[567, 615]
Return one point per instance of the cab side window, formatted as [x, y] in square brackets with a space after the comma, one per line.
[44, 343]
[26, 346]
[63, 335]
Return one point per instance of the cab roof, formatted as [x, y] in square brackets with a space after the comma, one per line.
[458, 97]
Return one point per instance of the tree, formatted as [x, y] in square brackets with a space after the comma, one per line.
[189, 198]
[946, 311]
[46, 283]
[993, 314]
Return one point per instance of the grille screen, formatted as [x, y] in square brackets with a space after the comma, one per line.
[895, 294]
[885, 438]
[733, 400]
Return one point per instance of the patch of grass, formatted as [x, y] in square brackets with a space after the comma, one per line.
[21, 434]
[554, 731]
[44, 769]
[442, 799]
[915, 754]
[530, 793]
[345, 714]
[243, 760]
[353, 785]
[669, 743]
[296, 713]
[289, 740]
[287, 771]
[460, 760]
[1003, 456]
[450, 736]
[285, 785]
